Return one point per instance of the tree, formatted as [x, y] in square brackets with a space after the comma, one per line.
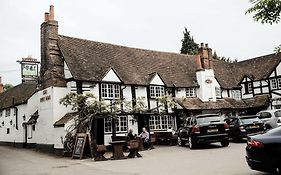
[7, 86]
[87, 107]
[266, 11]
[188, 45]
[223, 58]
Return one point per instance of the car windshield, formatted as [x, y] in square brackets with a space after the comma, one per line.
[277, 113]
[264, 115]
[250, 120]
[209, 119]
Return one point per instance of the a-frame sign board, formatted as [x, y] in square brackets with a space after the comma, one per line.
[82, 147]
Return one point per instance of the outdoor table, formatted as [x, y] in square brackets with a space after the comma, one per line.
[118, 149]
[141, 147]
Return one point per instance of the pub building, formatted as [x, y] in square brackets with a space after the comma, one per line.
[31, 115]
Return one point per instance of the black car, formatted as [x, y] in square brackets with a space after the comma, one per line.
[241, 126]
[264, 151]
[202, 129]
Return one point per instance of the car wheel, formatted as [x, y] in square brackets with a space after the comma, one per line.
[191, 143]
[225, 143]
[180, 142]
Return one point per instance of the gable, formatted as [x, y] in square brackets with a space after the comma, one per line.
[156, 80]
[276, 71]
[111, 76]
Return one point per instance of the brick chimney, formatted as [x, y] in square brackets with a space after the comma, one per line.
[206, 56]
[52, 63]
[1, 85]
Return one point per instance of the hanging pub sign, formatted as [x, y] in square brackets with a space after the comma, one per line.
[29, 69]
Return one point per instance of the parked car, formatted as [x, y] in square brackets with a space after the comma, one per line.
[271, 118]
[241, 126]
[202, 129]
[263, 151]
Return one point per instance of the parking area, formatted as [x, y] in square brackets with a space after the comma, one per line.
[163, 160]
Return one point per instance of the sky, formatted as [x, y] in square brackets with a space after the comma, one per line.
[147, 24]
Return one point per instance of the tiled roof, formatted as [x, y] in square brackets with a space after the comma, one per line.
[17, 95]
[90, 60]
[229, 75]
[62, 121]
[226, 103]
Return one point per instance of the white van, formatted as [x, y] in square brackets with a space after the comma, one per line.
[271, 118]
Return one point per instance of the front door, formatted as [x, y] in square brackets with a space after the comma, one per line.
[98, 130]
[143, 121]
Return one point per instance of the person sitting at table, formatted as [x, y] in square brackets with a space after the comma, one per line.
[145, 137]
[130, 135]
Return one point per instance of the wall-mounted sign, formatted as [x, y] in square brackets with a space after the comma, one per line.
[208, 81]
[29, 69]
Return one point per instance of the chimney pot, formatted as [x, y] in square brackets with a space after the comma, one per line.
[46, 17]
[202, 45]
[51, 15]
[206, 45]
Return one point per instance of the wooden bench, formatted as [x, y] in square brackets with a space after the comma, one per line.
[98, 151]
[165, 137]
[133, 147]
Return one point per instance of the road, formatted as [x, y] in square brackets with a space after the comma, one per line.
[164, 160]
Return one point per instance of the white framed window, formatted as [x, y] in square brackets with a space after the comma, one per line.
[8, 112]
[157, 122]
[121, 124]
[190, 92]
[157, 91]
[279, 83]
[15, 111]
[249, 87]
[107, 125]
[218, 92]
[110, 91]
[236, 94]
[273, 84]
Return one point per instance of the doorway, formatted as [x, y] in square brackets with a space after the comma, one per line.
[97, 130]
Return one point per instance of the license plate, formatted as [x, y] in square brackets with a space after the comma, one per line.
[213, 130]
[254, 126]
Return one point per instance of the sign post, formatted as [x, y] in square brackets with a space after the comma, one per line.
[29, 69]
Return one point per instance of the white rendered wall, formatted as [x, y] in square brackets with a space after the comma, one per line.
[206, 92]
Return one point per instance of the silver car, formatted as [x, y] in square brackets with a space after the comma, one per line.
[271, 118]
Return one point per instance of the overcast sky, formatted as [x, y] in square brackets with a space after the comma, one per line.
[148, 24]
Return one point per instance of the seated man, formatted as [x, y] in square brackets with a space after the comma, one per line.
[145, 137]
[131, 135]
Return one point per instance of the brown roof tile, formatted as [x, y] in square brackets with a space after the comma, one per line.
[17, 95]
[90, 60]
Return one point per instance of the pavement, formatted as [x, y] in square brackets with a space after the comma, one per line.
[163, 160]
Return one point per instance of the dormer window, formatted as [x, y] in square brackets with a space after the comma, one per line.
[218, 92]
[110, 91]
[190, 92]
[248, 88]
[273, 84]
[157, 91]
[236, 94]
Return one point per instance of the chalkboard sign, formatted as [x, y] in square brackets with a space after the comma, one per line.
[82, 146]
